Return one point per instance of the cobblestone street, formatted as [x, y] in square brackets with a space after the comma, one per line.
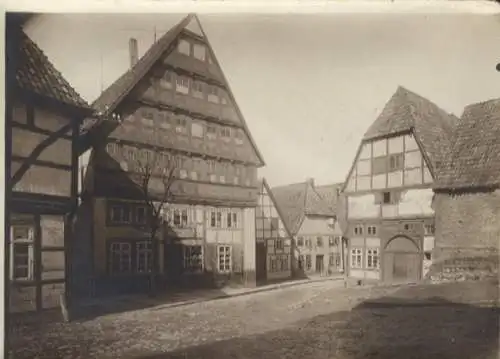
[314, 320]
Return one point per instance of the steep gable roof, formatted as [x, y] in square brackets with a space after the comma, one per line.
[111, 98]
[37, 75]
[296, 201]
[269, 191]
[408, 111]
[474, 159]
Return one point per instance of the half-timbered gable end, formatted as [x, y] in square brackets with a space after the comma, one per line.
[389, 189]
[273, 239]
[43, 117]
[175, 101]
[311, 219]
[174, 107]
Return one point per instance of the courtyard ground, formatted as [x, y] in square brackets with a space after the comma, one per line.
[311, 320]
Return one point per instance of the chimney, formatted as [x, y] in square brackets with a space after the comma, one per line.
[133, 51]
[311, 181]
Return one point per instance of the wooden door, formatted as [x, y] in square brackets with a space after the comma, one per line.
[401, 261]
[261, 261]
[319, 263]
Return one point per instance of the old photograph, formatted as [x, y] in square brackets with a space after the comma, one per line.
[218, 185]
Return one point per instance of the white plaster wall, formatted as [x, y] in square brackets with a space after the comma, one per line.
[249, 239]
[416, 202]
[314, 226]
[362, 206]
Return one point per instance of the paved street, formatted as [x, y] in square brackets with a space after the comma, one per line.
[314, 320]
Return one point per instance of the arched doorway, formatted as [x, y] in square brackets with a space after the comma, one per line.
[402, 262]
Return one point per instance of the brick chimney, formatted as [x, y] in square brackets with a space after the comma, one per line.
[133, 51]
[310, 181]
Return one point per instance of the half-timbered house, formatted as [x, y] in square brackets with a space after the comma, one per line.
[175, 104]
[312, 221]
[389, 190]
[274, 242]
[43, 114]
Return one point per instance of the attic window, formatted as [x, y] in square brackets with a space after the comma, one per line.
[167, 80]
[238, 135]
[199, 52]
[184, 47]
[198, 89]
[226, 132]
[213, 94]
[182, 85]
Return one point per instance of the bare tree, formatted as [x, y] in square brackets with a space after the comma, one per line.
[155, 176]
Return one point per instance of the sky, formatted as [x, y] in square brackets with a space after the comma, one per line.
[309, 86]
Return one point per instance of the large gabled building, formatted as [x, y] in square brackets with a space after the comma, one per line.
[43, 115]
[389, 190]
[312, 221]
[467, 194]
[175, 103]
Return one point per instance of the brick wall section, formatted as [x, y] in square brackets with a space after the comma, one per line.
[467, 228]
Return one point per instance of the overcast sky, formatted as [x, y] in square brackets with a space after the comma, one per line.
[308, 85]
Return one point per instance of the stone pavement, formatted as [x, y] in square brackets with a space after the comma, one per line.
[311, 320]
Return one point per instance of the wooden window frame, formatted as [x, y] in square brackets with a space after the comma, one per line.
[227, 252]
[29, 241]
[120, 252]
[148, 252]
[356, 254]
[372, 255]
[187, 259]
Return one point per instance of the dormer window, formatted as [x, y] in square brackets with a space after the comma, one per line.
[184, 47]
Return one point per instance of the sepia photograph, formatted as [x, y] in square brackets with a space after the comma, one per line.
[252, 185]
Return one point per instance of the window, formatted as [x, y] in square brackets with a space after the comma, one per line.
[181, 218]
[358, 230]
[181, 124]
[213, 94]
[120, 257]
[274, 224]
[395, 162]
[300, 241]
[194, 175]
[428, 255]
[429, 229]
[216, 218]
[308, 242]
[196, 130]
[167, 80]
[225, 132]
[148, 118]
[211, 130]
[143, 256]
[372, 261]
[222, 179]
[193, 259]
[279, 244]
[308, 262]
[184, 47]
[372, 230]
[22, 257]
[213, 178]
[140, 215]
[333, 241]
[232, 220]
[356, 258]
[198, 89]
[182, 85]
[120, 214]
[224, 255]
[319, 241]
[386, 198]
[238, 135]
[199, 52]
[331, 260]
[409, 226]
[301, 262]
[184, 218]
